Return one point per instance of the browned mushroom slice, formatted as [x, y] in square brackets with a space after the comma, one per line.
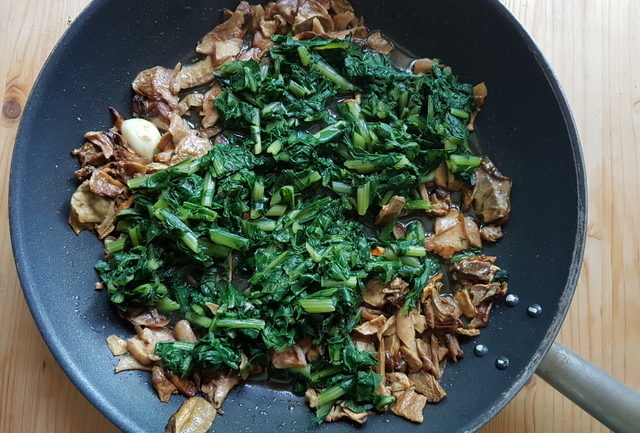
[453, 233]
[485, 293]
[482, 316]
[410, 405]
[453, 346]
[163, 386]
[410, 356]
[88, 209]
[422, 66]
[374, 294]
[268, 28]
[397, 382]
[139, 350]
[196, 74]
[232, 28]
[103, 184]
[474, 270]
[391, 210]
[157, 84]
[184, 386]
[440, 312]
[427, 385]
[188, 142]
[397, 291]
[356, 33]
[157, 112]
[257, 15]
[482, 297]
[491, 194]
[104, 141]
[377, 42]
[480, 92]
[463, 299]
[117, 345]
[311, 395]
[340, 6]
[187, 103]
[217, 389]
[440, 201]
[148, 318]
[196, 415]
[287, 9]
[209, 110]
[372, 327]
[309, 11]
[182, 331]
[127, 362]
[441, 176]
[291, 357]
[226, 51]
[468, 332]
[343, 20]
[405, 330]
[339, 412]
[490, 233]
[406, 333]
[152, 336]
[424, 351]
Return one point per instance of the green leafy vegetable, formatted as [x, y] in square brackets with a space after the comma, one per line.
[275, 225]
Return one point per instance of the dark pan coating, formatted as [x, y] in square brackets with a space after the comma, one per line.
[525, 126]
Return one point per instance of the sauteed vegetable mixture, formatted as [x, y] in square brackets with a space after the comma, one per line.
[293, 204]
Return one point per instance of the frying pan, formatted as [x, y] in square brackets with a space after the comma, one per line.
[526, 128]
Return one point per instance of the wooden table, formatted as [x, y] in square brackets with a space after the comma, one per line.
[591, 44]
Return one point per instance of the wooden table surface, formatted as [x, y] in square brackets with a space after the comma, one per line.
[592, 46]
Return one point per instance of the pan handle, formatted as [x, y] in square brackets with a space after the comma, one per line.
[603, 397]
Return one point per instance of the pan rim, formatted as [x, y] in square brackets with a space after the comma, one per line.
[116, 416]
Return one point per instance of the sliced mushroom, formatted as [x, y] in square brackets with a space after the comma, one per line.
[196, 415]
[217, 389]
[139, 350]
[182, 331]
[453, 233]
[163, 386]
[371, 327]
[339, 412]
[377, 42]
[157, 84]
[209, 110]
[474, 270]
[464, 303]
[87, 206]
[196, 74]
[427, 385]
[185, 386]
[149, 318]
[410, 405]
[188, 142]
[491, 194]
[117, 345]
[490, 233]
[232, 28]
[422, 66]
[374, 294]
[128, 362]
[307, 12]
[292, 357]
[391, 210]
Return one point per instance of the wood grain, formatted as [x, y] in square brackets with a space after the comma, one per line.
[592, 46]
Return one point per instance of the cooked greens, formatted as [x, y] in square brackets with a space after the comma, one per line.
[275, 225]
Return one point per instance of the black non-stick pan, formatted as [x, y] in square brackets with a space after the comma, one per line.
[526, 128]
